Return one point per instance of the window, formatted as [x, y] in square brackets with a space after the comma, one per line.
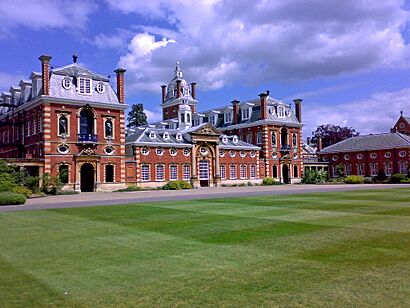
[34, 126]
[63, 174]
[387, 168]
[294, 140]
[182, 118]
[186, 152]
[359, 156]
[249, 137]
[159, 151]
[402, 153]
[165, 136]
[373, 169]
[159, 172]
[360, 169]
[173, 172]
[109, 129]
[228, 117]
[84, 85]
[281, 111]
[109, 173]
[335, 157]
[179, 136]
[173, 151]
[224, 139]
[274, 171]
[348, 169]
[212, 119]
[373, 155]
[203, 170]
[242, 153]
[252, 154]
[273, 138]
[259, 138]
[186, 172]
[145, 174]
[66, 83]
[145, 151]
[203, 150]
[245, 113]
[242, 171]
[100, 87]
[232, 153]
[222, 171]
[152, 135]
[86, 122]
[235, 139]
[109, 150]
[295, 171]
[232, 172]
[403, 167]
[387, 154]
[63, 149]
[221, 153]
[253, 171]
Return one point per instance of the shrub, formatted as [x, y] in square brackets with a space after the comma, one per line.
[381, 177]
[354, 179]
[67, 192]
[129, 188]
[51, 185]
[314, 177]
[368, 180]
[177, 185]
[268, 181]
[22, 190]
[397, 178]
[406, 181]
[11, 198]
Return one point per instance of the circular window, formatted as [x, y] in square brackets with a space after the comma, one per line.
[221, 153]
[347, 157]
[173, 151]
[359, 156]
[402, 153]
[373, 155]
[186, 152]
[274, 155]
[387, 154]
[288, 112]
[145, 151]
[109, 150]
[295, 155]
[63, 149]
[203, 150]
[159, 151]
[100, 87]
[253, 154]
[325, 158]
[66, 83]
[242, 153]
[402, 125]
[232, 153]
[335, 157]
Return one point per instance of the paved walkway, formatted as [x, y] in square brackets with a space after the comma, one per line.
[114, 198]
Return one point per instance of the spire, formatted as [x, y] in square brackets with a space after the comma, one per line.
[178, 72]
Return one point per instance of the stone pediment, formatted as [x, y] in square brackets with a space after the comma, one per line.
[206, 129]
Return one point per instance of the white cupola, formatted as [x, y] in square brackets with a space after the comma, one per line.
[184, 116]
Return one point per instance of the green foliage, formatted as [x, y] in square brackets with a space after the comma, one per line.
[51, 185]
[11, 198]
[22, 190]
[354, 179]
[67, 192]
[270, 181]
[405, 181]
[177, 185]
[332, 134]
[397, 178]
[129, 188]
[381, 177]
[63, 176]
[137, 116]
[340, 170]
[314, 177]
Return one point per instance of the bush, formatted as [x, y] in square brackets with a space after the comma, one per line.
[177, 185]
[406, 181]
[354, 179]
[314, 177]
[51, 185]
[11, 198]
[129, 188]
[67, 192]
[22, 190]
[270, 181]
[397, 178]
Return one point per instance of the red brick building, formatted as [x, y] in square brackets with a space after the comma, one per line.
[402, 125]
[244, 141]
[67, 120]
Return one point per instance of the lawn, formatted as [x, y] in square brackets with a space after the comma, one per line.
[324, 249]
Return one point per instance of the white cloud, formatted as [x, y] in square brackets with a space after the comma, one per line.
[375, 114]
[43, 14]
[153, 116]
[223, 41]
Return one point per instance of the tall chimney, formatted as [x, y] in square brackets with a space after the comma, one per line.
[164, 92]
[264, 111]
[319, 143]
[298, 108]
[193, 90]
[235, 112]
[179, 92]
[120, 84]
[45, 74]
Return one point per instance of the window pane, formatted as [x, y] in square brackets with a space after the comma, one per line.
[109, 173]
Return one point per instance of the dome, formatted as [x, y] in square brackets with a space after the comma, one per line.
[172, 86]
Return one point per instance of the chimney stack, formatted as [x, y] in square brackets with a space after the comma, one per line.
[298, 109]
[263, 99]
[193, 90]
[235, 112]
[179, 90]
[120, 84]
[164, 93]
[45, 74]
[319, 144]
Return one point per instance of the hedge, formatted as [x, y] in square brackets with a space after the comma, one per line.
[11, 198]
[354, 179]
[177, 185]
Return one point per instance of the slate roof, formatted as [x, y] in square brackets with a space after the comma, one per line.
[369, 142]
[74, 70]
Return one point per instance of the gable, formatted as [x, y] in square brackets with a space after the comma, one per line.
[206, 129]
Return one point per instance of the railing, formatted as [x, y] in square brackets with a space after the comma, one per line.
[87, 138]
[285, 148]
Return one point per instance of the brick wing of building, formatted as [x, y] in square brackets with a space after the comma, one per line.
[66, 120]
[241, 142]
[366, 155]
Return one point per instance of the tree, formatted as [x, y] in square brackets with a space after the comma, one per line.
[137, 116]
[332, 134]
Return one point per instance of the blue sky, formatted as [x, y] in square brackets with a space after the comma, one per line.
[348, 60]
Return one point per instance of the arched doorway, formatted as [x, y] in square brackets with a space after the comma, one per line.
[87, 177]
[285, 174]
[203, 167]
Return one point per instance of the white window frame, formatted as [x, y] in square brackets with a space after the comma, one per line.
[373, 169]
[242, 171]
[348, 169]
[83, 87]
[360, 169]
[186, 170]
[160, 173]
[259, 138]
[246, 113]
[222, 171]
[186, 151]
[145, 151]
[253, 171]
[228, 117]
[403, 167]
[233, 172]
[113, 128]
[173, 151]
[388, 168]
[281, 112]
[159, 151]
[145, 173]
[173, 172]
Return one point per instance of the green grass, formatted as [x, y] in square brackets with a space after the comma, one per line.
[328, 249]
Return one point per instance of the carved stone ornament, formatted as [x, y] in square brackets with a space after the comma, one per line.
[87, 151]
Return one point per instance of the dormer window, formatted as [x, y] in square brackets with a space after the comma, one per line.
[212, 119]
[224, 139]
[281, 111]
[179, 136]
[152, 135]
[100, 87]
[166, 136]
[228, 117]
[271, 110]
[66, 83]
[235, 139]
[246, 113]
[84, 85]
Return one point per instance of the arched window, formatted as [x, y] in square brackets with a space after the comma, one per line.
[294, 140]
[63, 126]
[109, 129]
[63, 174]
[284, 136]
[273, 137]
[182, 118]
[86, 122]
[188, 117]
[295, 172]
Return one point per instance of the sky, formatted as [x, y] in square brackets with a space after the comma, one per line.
[348, 60]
